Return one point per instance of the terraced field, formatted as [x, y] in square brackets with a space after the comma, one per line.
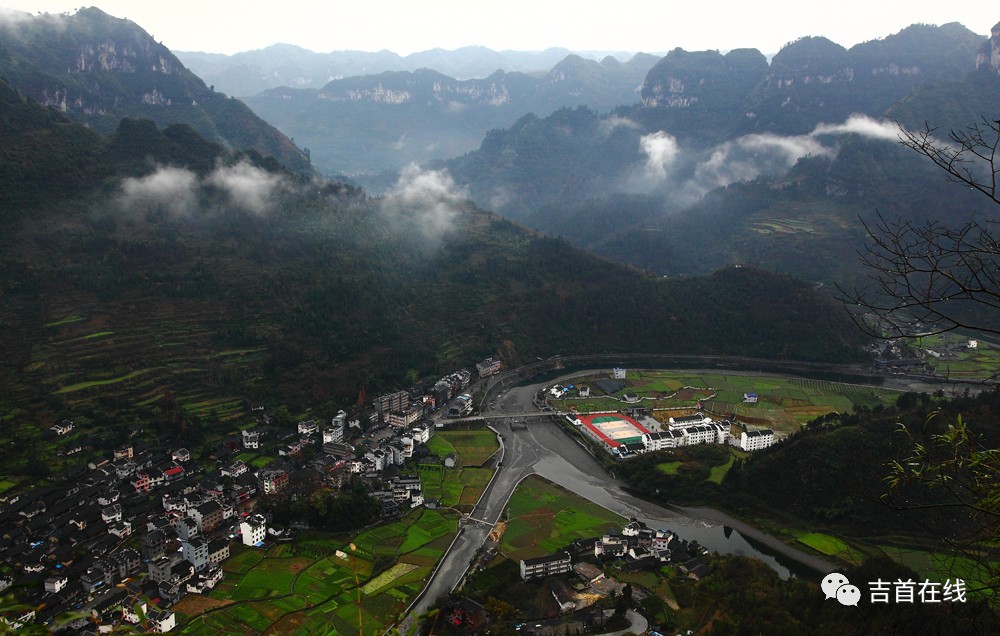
[90, 356]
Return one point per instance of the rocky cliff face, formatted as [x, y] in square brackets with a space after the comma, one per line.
[810, 80]
[98, 69]
[816, 73]
[422, 86]
[683, 79]
[989, 53]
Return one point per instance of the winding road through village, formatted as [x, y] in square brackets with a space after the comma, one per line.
[539, 446]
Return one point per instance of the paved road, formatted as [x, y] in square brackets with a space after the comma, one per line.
[542, 447]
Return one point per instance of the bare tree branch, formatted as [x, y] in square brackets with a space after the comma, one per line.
[931, 278]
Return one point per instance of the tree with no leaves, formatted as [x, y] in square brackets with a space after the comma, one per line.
[931, 277]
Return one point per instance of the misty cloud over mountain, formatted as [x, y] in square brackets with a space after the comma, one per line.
[179, 192]
[424, 201]
[686, 176]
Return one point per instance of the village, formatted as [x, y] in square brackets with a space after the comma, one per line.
[123, 538]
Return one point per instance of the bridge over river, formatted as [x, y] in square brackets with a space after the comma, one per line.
[534, 443]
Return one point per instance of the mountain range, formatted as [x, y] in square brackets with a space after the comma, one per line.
[168, 280]
[251, 72]
[170, 264]
[731, 160]
[155, 228]
[374, 123]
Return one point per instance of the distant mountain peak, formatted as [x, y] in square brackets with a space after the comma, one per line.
[98, 69]
[989, 54]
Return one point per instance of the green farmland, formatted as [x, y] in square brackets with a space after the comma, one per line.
[543, 517]
[784, 403]
[949, 354]
[459, 487]
[470, 447]
[305, 588]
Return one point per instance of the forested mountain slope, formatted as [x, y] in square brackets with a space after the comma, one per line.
[97, 69]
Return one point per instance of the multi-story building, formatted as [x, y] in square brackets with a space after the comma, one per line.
[187, 528]
[442, 392]
[54, 584]
[391, 402]
[234, 470]
[700, 434]
[253, 529]
[662, 440]
[756, 440]
[153, 545]
[421, 434]
[406, 441]
[334, 434]
[273, 481]
[377, 457]
[141, 482]
[218, 551]
[612, 545]
[688, 420]
[251, 440]
[207, 515]
[196, 552]
[545, 566]
[173, 473]
[488, 367]
[112, 513]
[404, 417]
[398, 454]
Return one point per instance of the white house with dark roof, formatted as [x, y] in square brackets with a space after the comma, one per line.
[195, 550]
[756, 440]
[685, 421]
[662, 440]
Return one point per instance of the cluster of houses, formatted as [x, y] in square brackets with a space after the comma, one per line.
[72, 546]
[123, 538]
[637, 547]
[404, 408]
[901, 355]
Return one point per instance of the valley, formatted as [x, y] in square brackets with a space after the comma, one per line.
[486, 342]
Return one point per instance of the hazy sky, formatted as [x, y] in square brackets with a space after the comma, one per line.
[405, 26]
